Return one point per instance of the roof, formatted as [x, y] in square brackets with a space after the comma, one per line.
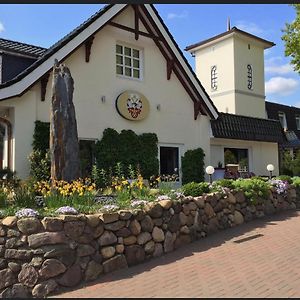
[56, 46]
[79, 35]
[230, 126]
[292, 140]
[21, 48]
[229, 32]
[290, 113]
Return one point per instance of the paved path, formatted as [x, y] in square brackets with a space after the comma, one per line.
[216, 266]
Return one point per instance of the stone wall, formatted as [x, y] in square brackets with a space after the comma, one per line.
[39, 256]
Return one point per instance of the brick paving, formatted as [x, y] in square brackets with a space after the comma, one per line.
[267, 266]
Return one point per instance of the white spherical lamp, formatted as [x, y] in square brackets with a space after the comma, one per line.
[210, 170]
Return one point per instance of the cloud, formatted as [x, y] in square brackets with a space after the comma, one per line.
[1, 27]
[181, 15]
[249, 27]
[275, 66]
[281, 86]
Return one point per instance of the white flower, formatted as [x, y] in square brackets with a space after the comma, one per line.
[137, 203]
[26, 212]
[67, 210]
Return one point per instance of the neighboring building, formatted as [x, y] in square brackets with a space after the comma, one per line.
[231, 68]
[15, 57]
[289, 117]
[125, 52]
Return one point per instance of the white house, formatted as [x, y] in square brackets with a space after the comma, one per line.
[126, 50]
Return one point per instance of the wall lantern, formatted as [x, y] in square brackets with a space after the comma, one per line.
[210, 170]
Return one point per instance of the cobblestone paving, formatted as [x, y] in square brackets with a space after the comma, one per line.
[265, 265]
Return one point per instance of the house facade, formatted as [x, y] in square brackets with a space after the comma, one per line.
[125, 52]
[122, 49]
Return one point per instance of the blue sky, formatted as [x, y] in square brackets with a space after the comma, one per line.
[45, 24]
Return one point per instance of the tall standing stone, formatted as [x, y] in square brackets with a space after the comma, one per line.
[64, 145]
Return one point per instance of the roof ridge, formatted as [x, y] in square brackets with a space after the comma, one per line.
[233, 29]
[249, 117]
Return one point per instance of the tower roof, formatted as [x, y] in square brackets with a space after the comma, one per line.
[233, 31]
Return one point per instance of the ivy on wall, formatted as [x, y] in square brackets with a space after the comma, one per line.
[41, 136]
[128, 148]
[193, 166]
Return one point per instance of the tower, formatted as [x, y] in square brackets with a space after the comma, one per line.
[230, 66]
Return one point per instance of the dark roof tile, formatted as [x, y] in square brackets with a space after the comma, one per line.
[230, 126]
[21, 48]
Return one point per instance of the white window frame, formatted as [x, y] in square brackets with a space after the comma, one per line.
[140, 59]
[283, 123]
[297, 118]
[214, 78]
[250, 76]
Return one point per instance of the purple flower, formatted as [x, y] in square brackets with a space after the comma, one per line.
[67, 210]
[110, 207]
[281, 186]
[26, 212]
[137, 203]
[163, 197]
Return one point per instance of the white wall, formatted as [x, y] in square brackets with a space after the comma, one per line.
[260, 154]
[174, 123]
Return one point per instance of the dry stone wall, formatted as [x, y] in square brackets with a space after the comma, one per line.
[39, 256]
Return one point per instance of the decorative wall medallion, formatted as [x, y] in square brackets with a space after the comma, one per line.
[132, 105]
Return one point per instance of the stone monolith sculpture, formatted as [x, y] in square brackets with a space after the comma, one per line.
[64, 146]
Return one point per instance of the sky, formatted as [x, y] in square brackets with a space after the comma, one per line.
[45, 24]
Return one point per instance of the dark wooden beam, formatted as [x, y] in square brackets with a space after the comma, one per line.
[188, 81]
[151, 36]
[170, 65]
[136, 22]
[88, 45]
[44, 81]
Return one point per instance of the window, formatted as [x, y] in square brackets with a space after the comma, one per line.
[298, 122]
[282, 119]
[249, 77]
[169, 161]
[128, 62]
[214, 77]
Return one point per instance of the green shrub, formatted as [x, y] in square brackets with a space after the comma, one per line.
[296, 181]
[253, 188]
[224, 183]
[128, 148]
[193, 166]
[285, 178]
[195, 189]
[40, 165]
[41, 136]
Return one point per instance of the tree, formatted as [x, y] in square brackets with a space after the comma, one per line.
[291, 39]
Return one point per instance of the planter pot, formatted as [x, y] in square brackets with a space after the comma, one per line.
[218, 174]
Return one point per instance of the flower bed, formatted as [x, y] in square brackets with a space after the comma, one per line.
[40, 255]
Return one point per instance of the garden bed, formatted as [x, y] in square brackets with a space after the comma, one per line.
[40, 255]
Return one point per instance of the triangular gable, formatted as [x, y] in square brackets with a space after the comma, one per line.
[175, 60]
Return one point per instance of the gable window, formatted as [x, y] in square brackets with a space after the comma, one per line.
[213, 73]
[249, 77]
[282, 119]
[128, 61]
[298, 122]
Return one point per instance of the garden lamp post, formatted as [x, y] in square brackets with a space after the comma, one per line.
[270, 168]
[210, 170]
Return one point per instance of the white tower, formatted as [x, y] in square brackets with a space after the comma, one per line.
[230, 66]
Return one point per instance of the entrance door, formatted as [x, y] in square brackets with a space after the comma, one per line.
[169, 160]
